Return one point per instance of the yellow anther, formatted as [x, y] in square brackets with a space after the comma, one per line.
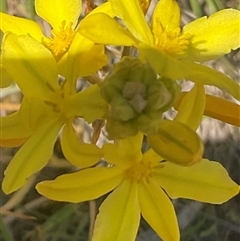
[171, 41]
[60, 40]
[59, 100]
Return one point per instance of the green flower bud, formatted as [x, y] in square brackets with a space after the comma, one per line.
[120, 110]
[159, 96]
[172, 88]
[136, 97]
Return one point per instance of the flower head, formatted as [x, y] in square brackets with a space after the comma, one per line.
[60, 40]
[63, 17]
[168, 48]
[140, 181]
[49, 104]
[65, 42]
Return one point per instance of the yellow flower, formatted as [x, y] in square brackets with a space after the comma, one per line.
[170, 50]
[65, 42]
[48, 105]
[140, 183]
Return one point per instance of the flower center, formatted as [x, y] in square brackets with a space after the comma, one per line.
[171, 42]
[139, 172]
[59, 103]
[60, 40]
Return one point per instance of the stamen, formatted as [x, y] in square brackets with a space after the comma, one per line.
[139, 172]
[171, 42]
[60, 41]
[59, 99]
[50, 103]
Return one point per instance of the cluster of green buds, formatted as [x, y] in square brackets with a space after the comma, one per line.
[137, 98]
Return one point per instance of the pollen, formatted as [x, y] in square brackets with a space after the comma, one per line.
[171, 41]
[139, 172]
[60, 40]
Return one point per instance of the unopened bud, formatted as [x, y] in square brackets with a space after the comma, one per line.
[136, 97]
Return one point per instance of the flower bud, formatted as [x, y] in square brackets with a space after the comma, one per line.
[136, 97]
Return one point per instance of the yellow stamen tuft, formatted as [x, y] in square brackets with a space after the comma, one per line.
[60, 40]
[139, 172]
[171, 41]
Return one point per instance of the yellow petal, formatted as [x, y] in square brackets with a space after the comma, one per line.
[218, 108]
[102, 29]
[206, 76]
[81, 186]
[166, 13]
[38, 76]
[76, 151]
[12, 133]
[223, 110]
[207, 181]
[124, 152]
[158, 211]
[18, 127]
[162, 63]
[121, 211]
[173, 135]
[84, 57]
[5, 79]
[83, 103]
[79, 45]
[57, 11]
[129, 149]
[192, 107]
[92, 61]
[34, 113]
[151, 156]
[111, 155]
[20, 26]
[133, 17]
[200, 74]
[103, 8]
[32, 156]
[214, 36]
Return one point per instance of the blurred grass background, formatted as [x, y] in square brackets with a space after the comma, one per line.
[26, 216]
